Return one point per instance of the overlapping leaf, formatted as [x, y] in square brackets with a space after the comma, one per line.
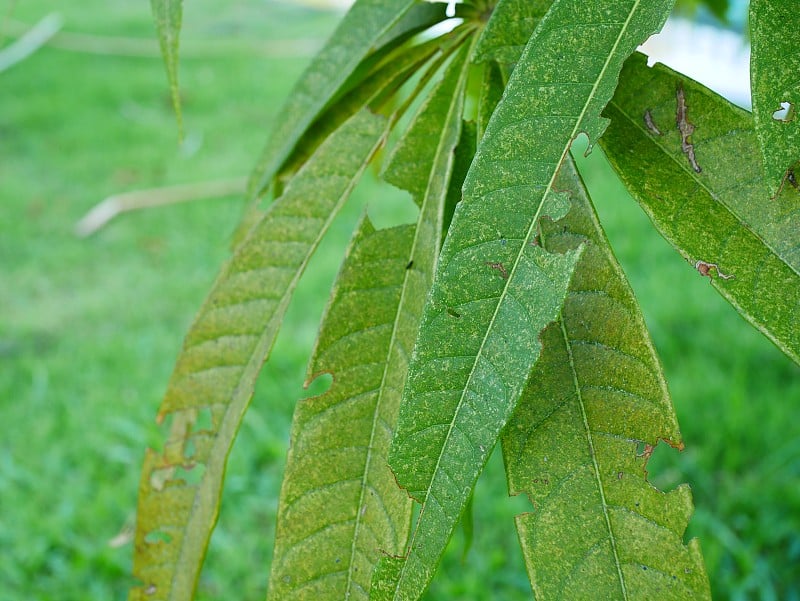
[340, 504]
[598, 530]
[509, 29]
[775, 81]
[222, 355]
[707, 195]
[168, 15]
[362, 30]
[494, 290]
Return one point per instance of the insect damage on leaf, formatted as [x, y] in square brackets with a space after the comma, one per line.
[651, 125]
[786, 113]
[704, 268]
[686, 129]
[498, 266]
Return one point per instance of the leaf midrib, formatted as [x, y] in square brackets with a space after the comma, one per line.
[513, 272]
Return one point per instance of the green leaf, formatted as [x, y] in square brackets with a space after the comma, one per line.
[599, 530]
[329, 533]
[168, 15]
[359, 33]
[509, 28]
[223, 352]
[465, 152]
[491, 92]
[774, 68]
[339, 502]
[494, 290]
[372, 91]
[721, 218]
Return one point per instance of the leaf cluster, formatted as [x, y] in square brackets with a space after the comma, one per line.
[499, 315]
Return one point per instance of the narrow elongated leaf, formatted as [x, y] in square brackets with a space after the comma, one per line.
[465, 152]
[775, 81]
[168, 15]
[721, 218]
[365, 24]
[494, 290]
[599, 530]
[222, 355]
[509, 29]
[373, 89]
[339, 502]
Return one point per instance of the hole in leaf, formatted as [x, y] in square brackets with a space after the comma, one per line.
[191, 474]
[189, 448]
[158, 478]
[786, 113]
[203, 421]
[318, 385]
[664, 467]
[157, 536]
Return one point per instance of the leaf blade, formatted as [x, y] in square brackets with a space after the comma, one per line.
[509, 28]
[364, 25]
[222, 355]
[571, 445]
[722, 219]
[168, 15]
[339, 503]
[478, 338]
[774, 64]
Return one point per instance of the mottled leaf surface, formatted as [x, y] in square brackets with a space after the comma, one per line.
[494, 290]
[578, 443]
[509, 28]
[775, 82]
[339, 503]
[359, 32]
[223, 352]
[722, 219]
[168, 15]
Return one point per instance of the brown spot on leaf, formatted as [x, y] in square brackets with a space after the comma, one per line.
[704, 268]
[686, 128]
[499, 267]
[651, 125]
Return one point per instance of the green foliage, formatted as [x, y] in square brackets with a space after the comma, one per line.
[716, 217]
[775, 62]
[168, 15]
[501, 314]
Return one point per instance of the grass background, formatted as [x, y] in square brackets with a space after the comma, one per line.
[90, 328]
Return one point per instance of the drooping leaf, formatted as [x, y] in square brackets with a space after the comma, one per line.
[598, 529]
[775, 81]
[494, 291]
[168, 15]
[339, 503]
[329, 531]
[370, 92]
[223, 352]
[509, 29]
[706, 193]
[359, 33]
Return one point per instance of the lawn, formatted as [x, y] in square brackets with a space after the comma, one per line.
[90, 327]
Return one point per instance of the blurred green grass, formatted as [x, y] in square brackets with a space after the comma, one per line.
[89, 328]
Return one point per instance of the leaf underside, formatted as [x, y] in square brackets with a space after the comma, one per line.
[599, 530]
[494, 290]
[360, 31]
[775, 81]
[339, 503]
[722, 219]
[168, 15]
[223, 352]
